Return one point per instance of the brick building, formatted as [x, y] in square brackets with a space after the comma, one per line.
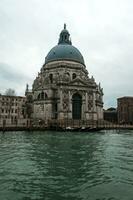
[125, 110]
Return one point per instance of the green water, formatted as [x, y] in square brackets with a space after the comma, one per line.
[66, 166]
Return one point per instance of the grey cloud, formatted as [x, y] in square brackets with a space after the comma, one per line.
[8, 73]
[101, 30]
[11, 78]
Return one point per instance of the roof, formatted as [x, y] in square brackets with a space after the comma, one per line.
[125, 97]
[9, 96]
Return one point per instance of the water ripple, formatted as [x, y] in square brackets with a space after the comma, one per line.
[74, 166]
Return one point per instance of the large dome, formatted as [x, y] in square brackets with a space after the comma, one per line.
[64, 50]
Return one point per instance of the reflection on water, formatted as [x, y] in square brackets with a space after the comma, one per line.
[70, 166]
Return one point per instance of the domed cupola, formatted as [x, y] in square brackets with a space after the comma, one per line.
[64, 50]
[64, 37]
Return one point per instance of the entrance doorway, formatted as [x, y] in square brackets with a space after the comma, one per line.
[76, 106]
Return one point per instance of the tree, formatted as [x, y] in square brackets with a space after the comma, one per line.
[10, 92]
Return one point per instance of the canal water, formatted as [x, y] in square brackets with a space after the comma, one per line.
[66, 166]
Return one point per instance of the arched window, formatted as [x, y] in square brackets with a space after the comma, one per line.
[39, 96]
[74, 76]
[42, 95]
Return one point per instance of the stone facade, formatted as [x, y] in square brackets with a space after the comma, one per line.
[54, 89]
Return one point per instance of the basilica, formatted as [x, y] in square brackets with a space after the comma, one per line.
[63, 90]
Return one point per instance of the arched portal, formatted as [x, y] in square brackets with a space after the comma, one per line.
[76, 106]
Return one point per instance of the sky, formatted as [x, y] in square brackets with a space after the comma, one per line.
[101, 29]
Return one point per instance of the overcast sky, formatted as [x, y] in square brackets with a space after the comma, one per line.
[101, 29]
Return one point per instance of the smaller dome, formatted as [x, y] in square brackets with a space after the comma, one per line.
[64, 36]
[64, 31]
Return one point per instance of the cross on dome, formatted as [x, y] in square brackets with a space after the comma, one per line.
[64, 26]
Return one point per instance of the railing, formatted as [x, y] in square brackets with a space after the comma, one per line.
[65, 124]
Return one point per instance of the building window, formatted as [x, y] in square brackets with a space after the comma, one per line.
[42, 95]
[73, 76]
[46, 96]
[39, 96]
[51, 78]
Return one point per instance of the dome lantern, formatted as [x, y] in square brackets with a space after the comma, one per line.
[64, 36]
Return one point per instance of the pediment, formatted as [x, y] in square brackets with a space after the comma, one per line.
[39, 87]
[78, 82]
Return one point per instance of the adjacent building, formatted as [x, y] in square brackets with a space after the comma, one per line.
[110, 115]
[12, 110]
[125, 110]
